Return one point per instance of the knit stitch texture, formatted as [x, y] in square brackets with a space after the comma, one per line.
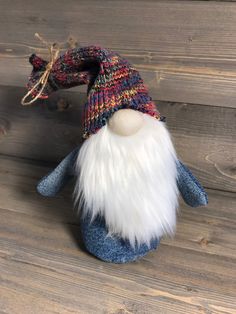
[113, 83]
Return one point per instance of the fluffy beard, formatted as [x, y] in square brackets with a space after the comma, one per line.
[130, 181]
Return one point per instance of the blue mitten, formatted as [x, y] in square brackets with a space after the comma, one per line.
[53, 182]
[191, 190]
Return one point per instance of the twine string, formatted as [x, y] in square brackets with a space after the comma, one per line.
[54, 50]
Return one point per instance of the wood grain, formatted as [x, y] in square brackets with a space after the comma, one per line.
[18, 180]
[205, 139]
[184, 52]
[31, 131]
[204, 136]
[208, 229]
[42, 263]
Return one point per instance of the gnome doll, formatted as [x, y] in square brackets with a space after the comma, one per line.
[128, 176]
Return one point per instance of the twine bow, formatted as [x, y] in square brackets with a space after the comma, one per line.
[54, 50]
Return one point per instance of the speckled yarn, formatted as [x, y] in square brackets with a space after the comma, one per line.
[113, 83]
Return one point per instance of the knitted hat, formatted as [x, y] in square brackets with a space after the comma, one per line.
[113, 83]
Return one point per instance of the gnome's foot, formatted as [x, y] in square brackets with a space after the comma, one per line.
[109, 248]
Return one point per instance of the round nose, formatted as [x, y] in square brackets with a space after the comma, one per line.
[126, 122]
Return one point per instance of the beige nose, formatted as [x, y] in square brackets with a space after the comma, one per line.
[126, 122]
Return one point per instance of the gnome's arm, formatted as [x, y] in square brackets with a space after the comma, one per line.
[53, 182]
[189, 187]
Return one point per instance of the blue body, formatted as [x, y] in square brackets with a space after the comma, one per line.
[95, 235]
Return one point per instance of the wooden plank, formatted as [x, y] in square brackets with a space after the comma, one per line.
[41, 262]
[208, 229]
[205, 140]
[185, 52]
[30, 131]
[204, 136]
[18, 180]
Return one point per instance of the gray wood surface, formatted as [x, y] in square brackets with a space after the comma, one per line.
[204, 136]
[44, 268]
[185, 50]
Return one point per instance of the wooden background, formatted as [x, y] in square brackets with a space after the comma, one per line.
[186, 53]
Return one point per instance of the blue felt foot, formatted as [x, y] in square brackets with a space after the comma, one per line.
[110, 248]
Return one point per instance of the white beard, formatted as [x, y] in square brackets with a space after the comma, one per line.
[130, 181]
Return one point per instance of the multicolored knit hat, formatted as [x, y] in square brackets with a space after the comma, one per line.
[113, 83]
